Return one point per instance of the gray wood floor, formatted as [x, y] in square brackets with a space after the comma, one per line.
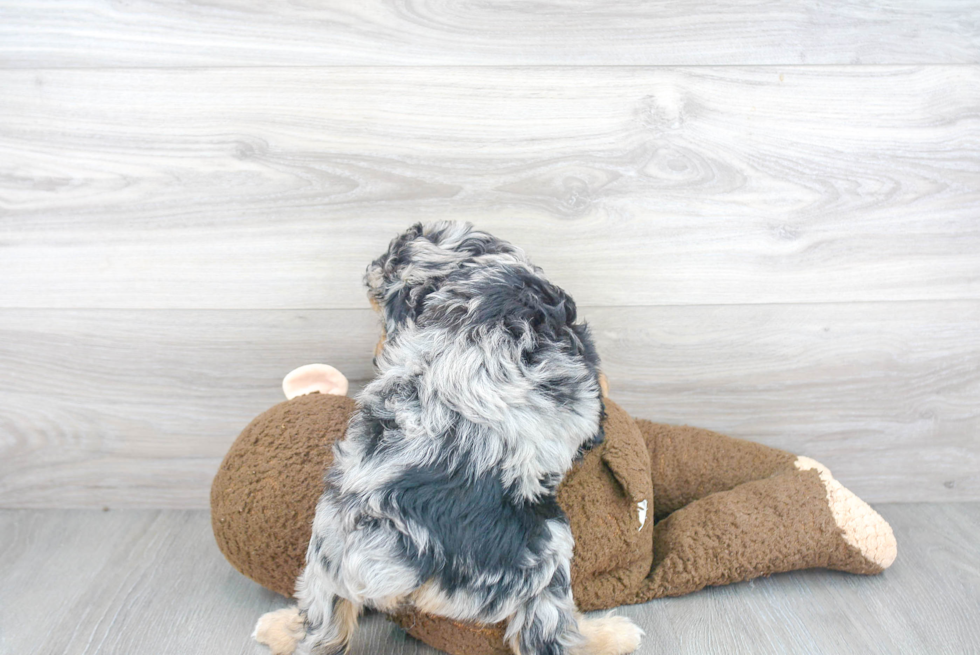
[152, 581]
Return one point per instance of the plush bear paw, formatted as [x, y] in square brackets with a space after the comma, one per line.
[281, 630]
[608, 635]
[862, 527]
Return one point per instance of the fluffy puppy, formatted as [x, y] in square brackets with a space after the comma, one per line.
[442, 496]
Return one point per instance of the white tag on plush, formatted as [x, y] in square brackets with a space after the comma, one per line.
[642, 505]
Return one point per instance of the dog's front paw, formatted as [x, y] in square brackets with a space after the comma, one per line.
[609, 635]
[280, 630]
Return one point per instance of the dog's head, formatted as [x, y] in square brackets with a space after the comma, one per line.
[447, 272]
[420, 259]
[493, 346]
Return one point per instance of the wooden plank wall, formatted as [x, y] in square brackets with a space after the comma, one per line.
[769, 212]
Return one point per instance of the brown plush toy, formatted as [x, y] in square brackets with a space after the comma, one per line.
[656, 510]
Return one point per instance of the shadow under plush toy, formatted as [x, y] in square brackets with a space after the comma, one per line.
[656, 510]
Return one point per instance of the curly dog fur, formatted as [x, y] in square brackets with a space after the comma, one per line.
[442, 496]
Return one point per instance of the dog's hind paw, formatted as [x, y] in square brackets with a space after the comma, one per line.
[608, 635]
[280, 630]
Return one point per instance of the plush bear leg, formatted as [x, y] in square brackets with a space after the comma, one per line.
[796, 519]
[862, 527]
[690, 463]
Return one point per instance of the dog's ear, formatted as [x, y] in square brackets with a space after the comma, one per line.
[417, 261]
[560, 320]
[522, 300]
[552, 309]
[384, 271]
[387, 289]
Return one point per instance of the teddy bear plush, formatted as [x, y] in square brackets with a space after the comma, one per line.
[656, 510]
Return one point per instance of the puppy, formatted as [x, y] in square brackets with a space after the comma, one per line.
[442, 496]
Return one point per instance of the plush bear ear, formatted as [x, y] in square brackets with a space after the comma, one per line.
[314, 377]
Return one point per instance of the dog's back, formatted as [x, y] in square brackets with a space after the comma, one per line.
[443, 494]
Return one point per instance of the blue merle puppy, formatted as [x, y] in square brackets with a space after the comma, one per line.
[442, 496]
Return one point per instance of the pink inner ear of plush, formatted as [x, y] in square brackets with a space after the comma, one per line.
[314, 377]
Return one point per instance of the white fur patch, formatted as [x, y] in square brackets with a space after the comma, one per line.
[608, 635]
[280, 630]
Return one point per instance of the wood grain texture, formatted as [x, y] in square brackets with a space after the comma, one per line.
[121, 582]
[137, 408]
[581, 32]
[100, 583]
[271, 188]
[886, 394]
